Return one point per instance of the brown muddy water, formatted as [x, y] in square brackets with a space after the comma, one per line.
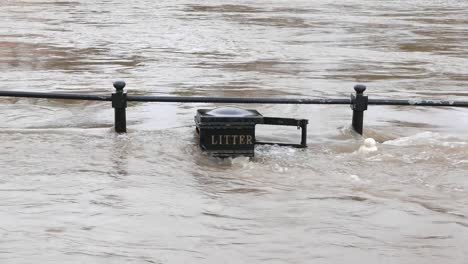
[72, 191]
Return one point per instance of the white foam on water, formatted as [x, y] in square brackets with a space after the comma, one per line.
[243, 162]
[411, 140]
[355, 178]
[428, 138]
[280, 169]
[275, 151]
[240, 162]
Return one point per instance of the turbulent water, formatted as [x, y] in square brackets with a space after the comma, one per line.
[72, 191]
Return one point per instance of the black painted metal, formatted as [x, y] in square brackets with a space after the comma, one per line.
[231, 131]
[119, 103]
[227, 136]
[418, 102]
[239, 100]
[119, 99]
[299, 123]
[236, 100]
[304, 133]
[55, 96]
[359, 105]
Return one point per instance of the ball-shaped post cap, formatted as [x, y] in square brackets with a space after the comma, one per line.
[359, 88]
[119, 85]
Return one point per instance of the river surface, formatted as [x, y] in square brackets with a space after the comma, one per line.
[72, 191]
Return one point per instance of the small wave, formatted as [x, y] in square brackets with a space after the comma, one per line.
[428, 138]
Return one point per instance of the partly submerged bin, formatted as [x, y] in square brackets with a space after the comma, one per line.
[230, 131]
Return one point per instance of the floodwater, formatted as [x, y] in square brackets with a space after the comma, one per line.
[72, 191]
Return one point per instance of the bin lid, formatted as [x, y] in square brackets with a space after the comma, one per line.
[231, 111]
[228, 114]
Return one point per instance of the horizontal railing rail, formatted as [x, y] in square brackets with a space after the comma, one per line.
[358, 102]
[237, 100]
[55, 96]
[234, 100]
[418, 102]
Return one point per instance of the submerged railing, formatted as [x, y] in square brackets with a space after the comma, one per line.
[358, 102]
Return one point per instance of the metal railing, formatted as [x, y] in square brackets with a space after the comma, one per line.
[358, 102]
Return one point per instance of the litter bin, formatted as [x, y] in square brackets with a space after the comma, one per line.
[230, 131]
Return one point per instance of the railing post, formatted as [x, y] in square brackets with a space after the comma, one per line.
[119, 103]
[359, 105]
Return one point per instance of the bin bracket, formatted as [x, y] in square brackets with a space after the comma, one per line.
[299, 123]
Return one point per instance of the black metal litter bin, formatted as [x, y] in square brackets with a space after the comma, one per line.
[230, 131]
